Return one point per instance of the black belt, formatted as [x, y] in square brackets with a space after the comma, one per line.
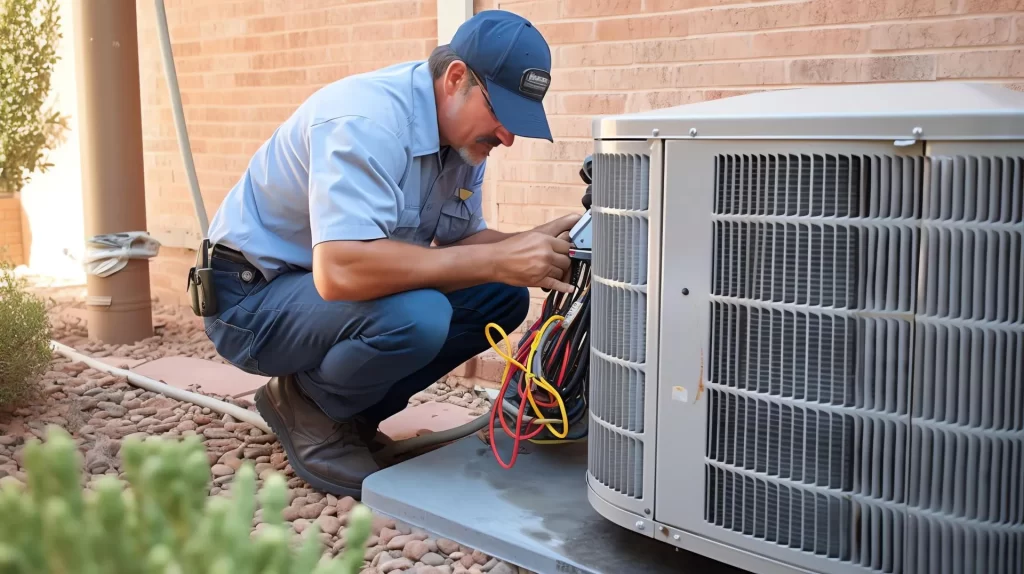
[228, 254]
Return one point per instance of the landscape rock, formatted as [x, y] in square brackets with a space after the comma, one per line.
[311, 511]
[386, 534]
[399, 542]
[221, 470]
[371, 553]
[432, 559]
[447, 546]
[504, 568]
[329, 524]
[395, 564]
[415, 550]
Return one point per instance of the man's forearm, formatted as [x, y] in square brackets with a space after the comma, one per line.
[482, 238]
[364, 270]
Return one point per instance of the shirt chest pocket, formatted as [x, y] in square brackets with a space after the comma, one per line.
[454, 220]
[409, 214]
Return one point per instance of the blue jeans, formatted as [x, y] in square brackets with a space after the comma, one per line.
[353, 357]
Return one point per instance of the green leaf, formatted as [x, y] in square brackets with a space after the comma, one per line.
[30, 31]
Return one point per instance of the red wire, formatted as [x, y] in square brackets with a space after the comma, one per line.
[561, 374]
[497, 410]
[524, 350]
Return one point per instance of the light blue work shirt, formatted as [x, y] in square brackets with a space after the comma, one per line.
[359, 160]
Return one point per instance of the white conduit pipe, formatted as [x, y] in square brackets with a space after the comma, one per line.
[179, 116]
[238, 413]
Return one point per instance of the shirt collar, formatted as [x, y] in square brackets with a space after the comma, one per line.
[425, 138]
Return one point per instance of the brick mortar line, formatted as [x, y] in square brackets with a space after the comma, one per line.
[725, 7]
[593, 20]
[888, 53]
[286, 31]
[724, 34]
[846, 56]
[643, 13]
[318, 47]
[810, 27]
[788, 86]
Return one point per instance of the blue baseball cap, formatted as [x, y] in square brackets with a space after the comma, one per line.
[514, 61]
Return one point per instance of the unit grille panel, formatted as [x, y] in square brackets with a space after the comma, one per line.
[866, 368]
[619, 321]
[620, 402]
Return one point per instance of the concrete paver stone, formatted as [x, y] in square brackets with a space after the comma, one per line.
[429, 417]
[209, 376]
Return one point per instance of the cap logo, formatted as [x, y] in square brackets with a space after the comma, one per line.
[535, 83]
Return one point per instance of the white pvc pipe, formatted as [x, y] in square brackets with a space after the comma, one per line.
[179, 117]
[240, 414]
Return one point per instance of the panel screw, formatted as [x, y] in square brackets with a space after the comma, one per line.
[693, 132]
[917, 131]
[686, 291]
[655, 132]
[639, 525]
[676, 537]
[647, 511]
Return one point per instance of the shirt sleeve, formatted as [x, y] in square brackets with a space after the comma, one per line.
[355, 166]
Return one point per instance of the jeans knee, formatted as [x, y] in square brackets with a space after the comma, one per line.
[426, 316]
[516, 308]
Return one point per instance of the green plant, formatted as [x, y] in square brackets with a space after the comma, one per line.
[161, 523]
[25, 350]
[29, 34]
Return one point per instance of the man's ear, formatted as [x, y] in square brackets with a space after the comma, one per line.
[455, 77]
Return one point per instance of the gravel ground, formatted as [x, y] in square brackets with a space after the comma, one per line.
[101, 410]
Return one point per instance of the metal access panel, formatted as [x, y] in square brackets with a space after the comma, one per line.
[795, 290]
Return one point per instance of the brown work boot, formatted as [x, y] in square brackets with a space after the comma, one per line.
[330, 456]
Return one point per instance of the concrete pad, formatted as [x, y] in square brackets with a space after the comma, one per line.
[208, 376]
[426, 417]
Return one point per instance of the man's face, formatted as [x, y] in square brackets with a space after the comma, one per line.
[470, 125]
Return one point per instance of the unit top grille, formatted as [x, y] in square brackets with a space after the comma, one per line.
[941, 110]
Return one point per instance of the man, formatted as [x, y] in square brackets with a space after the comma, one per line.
[351, 262]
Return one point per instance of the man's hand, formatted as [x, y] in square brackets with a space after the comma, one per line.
[558, 226]
[533, 259]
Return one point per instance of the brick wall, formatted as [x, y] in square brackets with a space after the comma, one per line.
[12, 236]
[243, 66]
[617, 56]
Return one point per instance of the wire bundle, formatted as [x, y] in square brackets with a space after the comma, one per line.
[548, 372]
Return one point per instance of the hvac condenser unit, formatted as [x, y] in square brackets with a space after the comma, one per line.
[808, 328]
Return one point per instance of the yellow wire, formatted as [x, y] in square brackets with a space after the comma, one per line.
[510, 360]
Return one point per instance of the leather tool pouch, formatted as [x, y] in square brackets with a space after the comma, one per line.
[200, 284]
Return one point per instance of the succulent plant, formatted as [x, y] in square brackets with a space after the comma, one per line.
[160, 522]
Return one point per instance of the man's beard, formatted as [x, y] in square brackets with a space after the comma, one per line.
[468, 157]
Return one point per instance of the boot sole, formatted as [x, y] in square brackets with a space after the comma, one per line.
[269, 414]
